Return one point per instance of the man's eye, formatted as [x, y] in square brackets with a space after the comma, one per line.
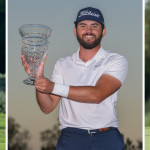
[82, 26]
[94, 26]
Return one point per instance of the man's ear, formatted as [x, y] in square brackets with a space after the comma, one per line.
[75, 31]
[104, 32]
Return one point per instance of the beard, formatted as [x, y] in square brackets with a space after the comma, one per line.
[88, 45]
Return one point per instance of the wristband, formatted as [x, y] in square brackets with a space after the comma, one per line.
[61, 90]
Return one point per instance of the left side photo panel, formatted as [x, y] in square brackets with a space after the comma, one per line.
[2, 75]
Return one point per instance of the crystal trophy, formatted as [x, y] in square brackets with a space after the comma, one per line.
[34, 47]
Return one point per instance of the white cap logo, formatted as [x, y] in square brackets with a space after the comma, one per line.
[86, 12]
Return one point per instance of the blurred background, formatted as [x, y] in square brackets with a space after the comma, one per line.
[2, 75]
[147, 63]
[28, 127]
[147, 75]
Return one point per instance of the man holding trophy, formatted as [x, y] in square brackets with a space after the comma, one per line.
[87, 83]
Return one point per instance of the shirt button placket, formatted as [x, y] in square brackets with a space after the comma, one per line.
[84, 68]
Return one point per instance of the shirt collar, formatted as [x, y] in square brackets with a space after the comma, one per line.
[99, 55]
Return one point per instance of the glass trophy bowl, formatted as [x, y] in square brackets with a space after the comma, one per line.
[34, 47]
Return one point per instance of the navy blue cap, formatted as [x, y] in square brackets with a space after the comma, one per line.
[90, 13]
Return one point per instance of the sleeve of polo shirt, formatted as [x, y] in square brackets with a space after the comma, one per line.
[118, 68]
[57, 74]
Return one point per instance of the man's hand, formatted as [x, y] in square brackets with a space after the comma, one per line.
[44, 85]
[26, 66]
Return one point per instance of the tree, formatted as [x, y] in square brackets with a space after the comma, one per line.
[2, 37]
[49, 138]
[130, 146]
[17, 140]
[2, 102]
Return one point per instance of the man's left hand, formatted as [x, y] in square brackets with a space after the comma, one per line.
[44, 85]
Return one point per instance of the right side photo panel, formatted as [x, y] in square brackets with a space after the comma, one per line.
[147, 75]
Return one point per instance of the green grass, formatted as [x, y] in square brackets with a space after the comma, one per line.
[2, 131]
[147, 138]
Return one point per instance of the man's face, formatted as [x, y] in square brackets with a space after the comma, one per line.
[89, 34]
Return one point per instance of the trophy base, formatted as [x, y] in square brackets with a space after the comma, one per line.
[29, 81]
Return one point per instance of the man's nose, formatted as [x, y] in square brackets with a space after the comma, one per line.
[89, 29]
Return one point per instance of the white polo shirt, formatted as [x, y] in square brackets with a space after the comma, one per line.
[73, 71]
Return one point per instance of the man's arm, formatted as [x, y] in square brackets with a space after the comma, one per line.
[105, 86]
[47, 102]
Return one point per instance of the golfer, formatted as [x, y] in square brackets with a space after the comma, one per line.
[86, 84]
